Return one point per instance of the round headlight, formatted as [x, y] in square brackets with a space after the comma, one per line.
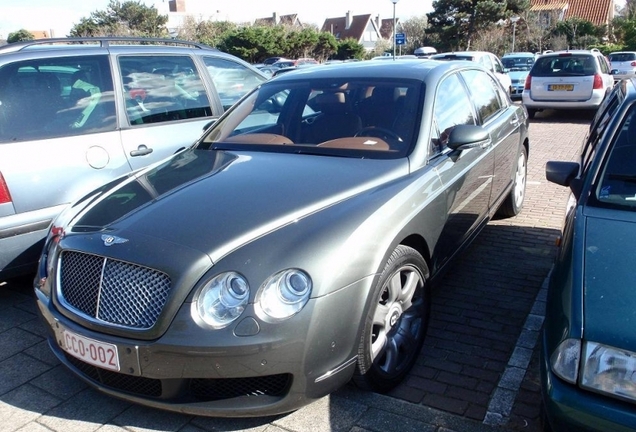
[222, 299]
[283, 295]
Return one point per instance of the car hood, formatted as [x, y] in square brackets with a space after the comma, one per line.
[610, 280]
[216, 201]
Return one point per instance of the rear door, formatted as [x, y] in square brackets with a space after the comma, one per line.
[501, 119]
[165, 105]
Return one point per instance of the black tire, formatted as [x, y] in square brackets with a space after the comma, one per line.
[396, 323]
[531, 112]
[514, 202]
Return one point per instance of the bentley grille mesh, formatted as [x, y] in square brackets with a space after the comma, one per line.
[113, 291]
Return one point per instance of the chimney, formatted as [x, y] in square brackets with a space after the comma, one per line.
[275, 17]
[348, 20]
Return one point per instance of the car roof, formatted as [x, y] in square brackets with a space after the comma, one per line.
[562, 52]
[414, 69]
[146, 44]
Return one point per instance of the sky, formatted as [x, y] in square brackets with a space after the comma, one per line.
[60, 15]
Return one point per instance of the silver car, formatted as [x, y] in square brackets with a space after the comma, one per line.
[517, 65]
[293, 248]
[622, 64]
[487, 59]
[576, 79]
[75, 116]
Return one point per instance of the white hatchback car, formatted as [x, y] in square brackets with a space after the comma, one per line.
[623, 64]
[484, 58]
[577, 79]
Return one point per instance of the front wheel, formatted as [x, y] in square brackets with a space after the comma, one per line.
[396, 323]
[514, 202]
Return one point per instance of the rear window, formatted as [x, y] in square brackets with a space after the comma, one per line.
[622, 57]
[564, 65]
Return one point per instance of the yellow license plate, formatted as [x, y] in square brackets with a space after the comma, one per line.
[561, 87]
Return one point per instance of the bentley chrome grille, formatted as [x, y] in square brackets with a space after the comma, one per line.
[112, 291]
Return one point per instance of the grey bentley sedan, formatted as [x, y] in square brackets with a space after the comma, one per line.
[291, 249]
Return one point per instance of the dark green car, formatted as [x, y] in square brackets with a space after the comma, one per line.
[588, 366]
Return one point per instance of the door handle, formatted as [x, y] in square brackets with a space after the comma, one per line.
[142, 150]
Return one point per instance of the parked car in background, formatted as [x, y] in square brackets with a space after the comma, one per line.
[622, 64]
[484, 58]
[588, 359]
[77, 113]
[517, 65]
[576, 79]
[293, 247]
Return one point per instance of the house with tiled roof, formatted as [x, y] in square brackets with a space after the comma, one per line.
[365, 29]
[275, 19]
[598, 12]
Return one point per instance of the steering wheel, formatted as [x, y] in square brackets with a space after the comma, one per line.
[378, 132]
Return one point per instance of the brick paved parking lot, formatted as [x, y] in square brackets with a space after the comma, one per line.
[478, 370]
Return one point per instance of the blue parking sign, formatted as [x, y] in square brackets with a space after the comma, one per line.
[400, 39]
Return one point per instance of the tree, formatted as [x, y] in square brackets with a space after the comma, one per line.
[19, 36]
[579, 33]
[349, 49]
[327, 46]
[301, 43]
[415, 31]
[456, 22]
[130, 18]
[207, 31]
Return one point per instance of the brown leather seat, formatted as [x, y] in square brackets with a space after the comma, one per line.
[336, 120]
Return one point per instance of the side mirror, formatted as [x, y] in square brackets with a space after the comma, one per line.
[564, 174]
[463, 137]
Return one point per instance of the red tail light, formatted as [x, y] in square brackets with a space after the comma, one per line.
[632, 64]
[598, 82]
[528, 82]
[5, 196]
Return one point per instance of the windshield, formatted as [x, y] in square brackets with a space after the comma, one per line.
[512, 64]
[617, 185]
[370, 118]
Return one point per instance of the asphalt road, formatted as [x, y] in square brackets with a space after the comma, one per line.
[478, 370]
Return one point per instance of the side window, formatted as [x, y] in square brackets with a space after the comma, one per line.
[452, 108]
[603, 64]
[605, 113]
[483, 92]
[162, 88]
[498, 65]
[486, 62]
[56, 97]
[231, 79]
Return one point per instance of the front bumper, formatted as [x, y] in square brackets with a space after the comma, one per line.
[569, 408]
[516, 91]
[189, 369]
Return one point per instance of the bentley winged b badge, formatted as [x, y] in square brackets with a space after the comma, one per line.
[110, 240]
